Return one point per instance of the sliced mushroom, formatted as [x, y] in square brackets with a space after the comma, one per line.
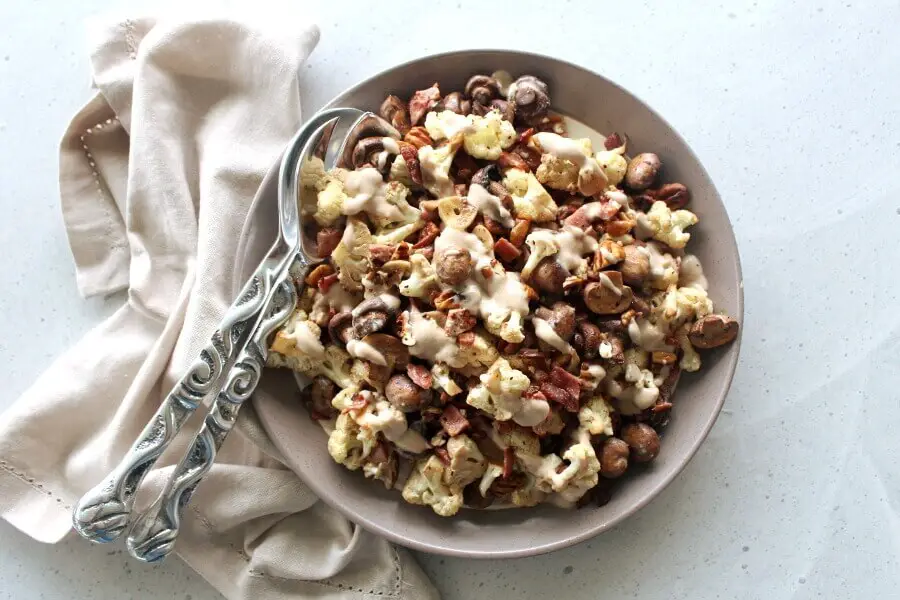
[370, 316]
[395, 112]
[636, 265]
[609, 296]
[561, 317]
[340, 328]
[391, 348]
[366, 150]
[587, 340]
[455, 102]
[456, 212]
[713, 331]
[548, 276]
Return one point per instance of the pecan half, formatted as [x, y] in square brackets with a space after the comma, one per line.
[411, 156]
[418, 137]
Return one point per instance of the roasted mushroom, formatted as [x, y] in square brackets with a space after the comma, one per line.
[530, 97]
[609, 296]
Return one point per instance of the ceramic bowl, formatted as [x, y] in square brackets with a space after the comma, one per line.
[605, 107]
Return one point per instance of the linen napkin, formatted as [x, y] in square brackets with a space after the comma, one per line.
[157, 174]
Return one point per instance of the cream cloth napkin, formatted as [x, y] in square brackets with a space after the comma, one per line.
[157, 174]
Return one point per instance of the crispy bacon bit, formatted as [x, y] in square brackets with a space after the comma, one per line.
[509, 460]
[380, 253]
[427, 236]
[401, 252]
[459, 320]
[429, 210]
[565, 380]
[505, 250]
[327, 239]
[420, 375]
[318, 273]
[411, 156]
[423, 101]
[533, 358]
[326, 282]
[466, 338]
[442, 455]
[612, 141]
[661, 406]
[525, 136]
[556, 394]
[453, 420]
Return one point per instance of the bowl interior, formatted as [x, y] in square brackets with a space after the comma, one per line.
[604, 106]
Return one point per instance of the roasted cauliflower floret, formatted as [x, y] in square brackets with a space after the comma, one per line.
[441, 375]
[664, 271]
[522, 440]
[435, 165]
[594, 416]
[481, 353]
[299, 340]
[400, 172]
[500, 393]
[690, 360]
[541, 243]
[570, 476]
[613, 164]
[558, 173]
[330, 202]
[422, 280]
[666, 225]
[679, 305]
[529, 494]
[351, 254]
[483, 137]
[530, 200]
[467, 463]
[427, 486]
[346, 446]
[568, 164]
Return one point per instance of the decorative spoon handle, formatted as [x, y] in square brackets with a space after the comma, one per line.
[154, 532]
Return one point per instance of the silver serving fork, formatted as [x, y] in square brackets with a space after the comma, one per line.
[229, 366]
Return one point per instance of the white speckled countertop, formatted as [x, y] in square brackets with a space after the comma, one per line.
[794, 111]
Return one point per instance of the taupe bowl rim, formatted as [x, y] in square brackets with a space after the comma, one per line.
[658, 486]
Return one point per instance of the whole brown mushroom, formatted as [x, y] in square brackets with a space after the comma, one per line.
[642, 440]
[370, 316]
[321, 392]
[713, 331]
[548, 276]
[613, 458]
[642, 171]
[366, 152]
[340, 328]
[530, 97]
[406, 395]
[608, 296]
[453, 265]
[455, 102]
[586, 340]
[636, 265]
[561, 317]
[482, 89]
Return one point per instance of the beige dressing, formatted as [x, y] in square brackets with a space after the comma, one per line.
[365, 351]
[647, 336]
[305, 340]
[545, 332]
[606, 282]
[367, 192]
[489, 205]
[391, 145]
[573, 243]
[571, 150]
[691, 273]
[431, 342]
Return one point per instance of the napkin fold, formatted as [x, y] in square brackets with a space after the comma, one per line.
[157, 175]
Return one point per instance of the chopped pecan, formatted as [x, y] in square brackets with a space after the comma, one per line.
[318, 273]
[459, 320]
[503, 486]
[495, 227]
[663, 358]
[531, 155]
[446, 300]
[505, 250]
[619, 227]
[427, 236]
[510, 160]
[411, 156]
[519, 232]
[486, 272]
[453, 420]
[420, 375]
[418, 137]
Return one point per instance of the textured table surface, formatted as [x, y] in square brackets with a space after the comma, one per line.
[795, 111]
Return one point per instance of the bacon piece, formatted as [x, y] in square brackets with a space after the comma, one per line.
[506, 251]
[565, 380]
[380, 253]
[442, 455]
[427, 236]
[326, 282]
[420, 375]
[612, 141]
[509, 460]
[466, 338]
[557, 394]
[453, 420]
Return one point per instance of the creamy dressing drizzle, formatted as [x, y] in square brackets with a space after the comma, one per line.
[365, 351]
[606, 282]
[647, 336]
[545, 332]
[573, 243]
[367, 192]
[391, 145]
[306, 341]
[572, 151]
[489, 205]
[691, 273]
[431, 342]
